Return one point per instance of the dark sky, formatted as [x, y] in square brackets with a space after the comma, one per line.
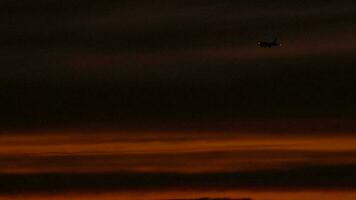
[69, 62]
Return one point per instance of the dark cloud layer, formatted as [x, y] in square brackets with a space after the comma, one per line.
[284, 88]
[315, 177]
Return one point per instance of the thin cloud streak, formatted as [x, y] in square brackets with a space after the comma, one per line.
[292, 49]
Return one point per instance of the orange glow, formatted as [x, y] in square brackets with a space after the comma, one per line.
[147, 152]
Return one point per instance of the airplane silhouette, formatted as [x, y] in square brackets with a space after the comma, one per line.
[265, 44]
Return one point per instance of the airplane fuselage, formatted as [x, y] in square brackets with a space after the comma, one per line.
[268, 44]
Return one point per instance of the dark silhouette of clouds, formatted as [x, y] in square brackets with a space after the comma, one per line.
[307, 178]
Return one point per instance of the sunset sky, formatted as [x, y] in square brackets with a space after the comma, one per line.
[173, 100]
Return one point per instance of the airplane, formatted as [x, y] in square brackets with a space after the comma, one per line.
[265, 44]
